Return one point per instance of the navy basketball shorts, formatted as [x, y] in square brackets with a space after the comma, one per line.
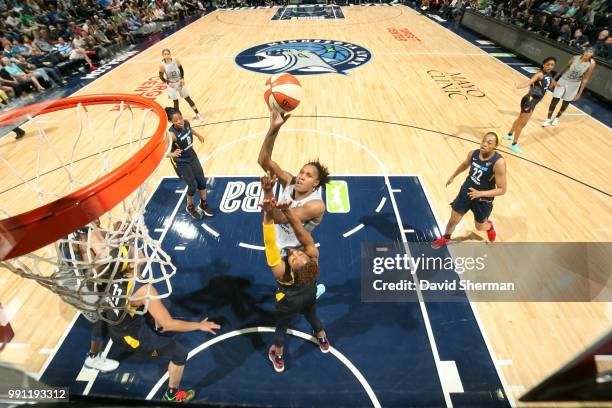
[528, 103]
[480, 208]
[192, 173]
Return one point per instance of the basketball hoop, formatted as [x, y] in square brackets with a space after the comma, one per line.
[83, 234]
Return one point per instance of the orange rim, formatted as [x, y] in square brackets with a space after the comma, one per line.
[31, 230]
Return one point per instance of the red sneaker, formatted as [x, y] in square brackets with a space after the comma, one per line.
[277, 361]
[323, 344]
[492, 234]
[179, 396]
[92, 68]
[439, 243]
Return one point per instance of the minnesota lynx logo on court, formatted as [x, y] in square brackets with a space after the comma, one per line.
[303, 57]
[337, 197]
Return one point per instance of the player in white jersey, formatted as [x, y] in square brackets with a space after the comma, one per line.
[304, 190]
[175, 78]
[574, 77]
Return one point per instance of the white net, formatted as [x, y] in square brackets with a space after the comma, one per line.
[99, 267]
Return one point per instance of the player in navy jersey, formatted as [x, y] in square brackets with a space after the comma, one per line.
[141, 333]
[131, 331]
[186, 162]
[486, 180]
[538, 84]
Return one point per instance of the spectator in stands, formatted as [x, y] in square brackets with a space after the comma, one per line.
[26, 43]
[525, 5]
[607, 52]
[571, 12]
[86, 25]
[101, 22]
[96, 32]
[20, 48]
[554, 31]
[558, 7]
[58, 31]
[580, 40]
[8, 50]
[31, 7]
[78, 41]
[30, 28]
[6, 92]
[13, 19]
[52, 16]
[565, 35]
[541, 24]
[600, 45]
[18, 75]
[6, 80]
[47, 74]
[585, 15]
[27, 21]
[104, 3]
[67, 51]
[39, 42]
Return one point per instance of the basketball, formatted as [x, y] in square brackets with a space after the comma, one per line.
[283, 92]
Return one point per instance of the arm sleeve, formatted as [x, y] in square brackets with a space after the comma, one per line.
[182, 71]
[272, 252]
[161, 76]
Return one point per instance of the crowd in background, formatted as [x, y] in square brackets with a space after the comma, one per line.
[45, 42]
[576, 23]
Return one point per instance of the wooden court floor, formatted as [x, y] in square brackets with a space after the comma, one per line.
[559, 191]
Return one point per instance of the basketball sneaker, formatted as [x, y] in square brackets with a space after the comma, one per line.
[199, 118]
[205, 210]
[179, 396]
[491, 233]
[515, 148]
[320, 290]
[195, 212]
[102, 364]
[277, 361]
[19, 132]
[508, 136]
[439, 243]
[546, 123]
[323, 344]
[555, 121]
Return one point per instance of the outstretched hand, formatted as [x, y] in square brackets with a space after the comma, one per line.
[267, 182]
[210, 327]
[267, 204]
[277, 119]
[283, 206]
